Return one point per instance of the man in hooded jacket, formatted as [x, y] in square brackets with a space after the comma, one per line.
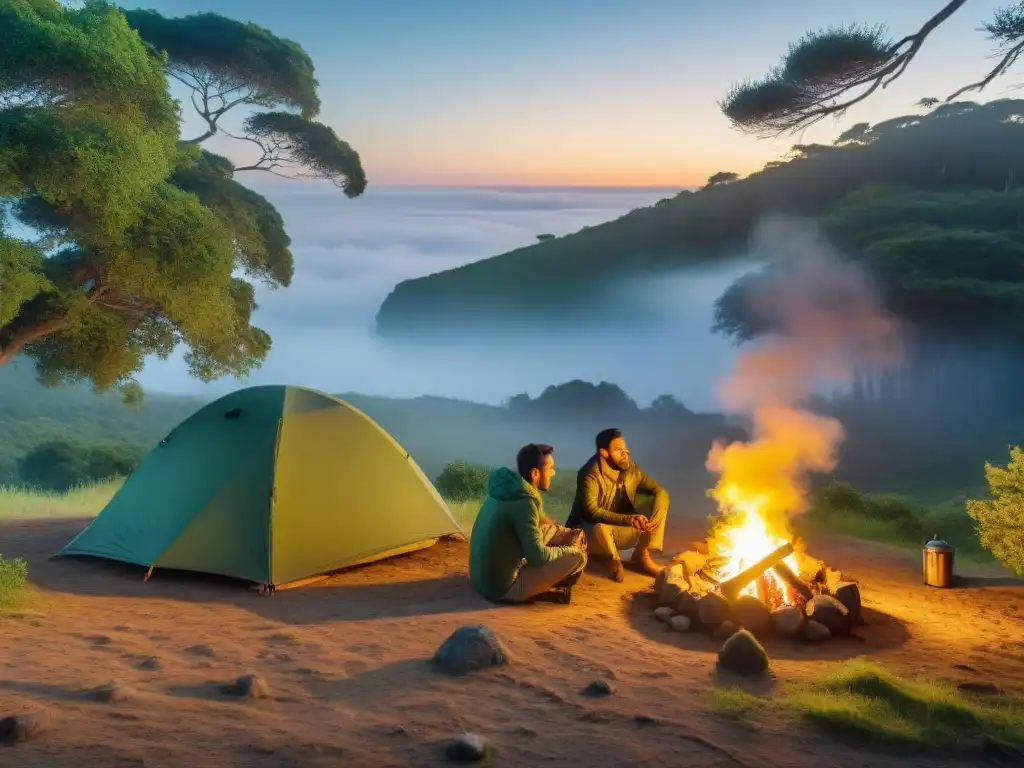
[516, 552]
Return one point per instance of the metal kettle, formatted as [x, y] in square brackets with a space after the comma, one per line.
[937, 563]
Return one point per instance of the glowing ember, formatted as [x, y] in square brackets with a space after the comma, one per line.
[743, 537]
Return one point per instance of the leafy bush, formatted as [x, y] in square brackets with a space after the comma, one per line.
[839, 508]
[899, 517]
[1000, 519]
[462, 480]
[59, 465]
[13, 575]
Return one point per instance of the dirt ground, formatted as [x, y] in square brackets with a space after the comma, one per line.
[347, 664]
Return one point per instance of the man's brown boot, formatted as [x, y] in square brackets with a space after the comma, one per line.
[643, 562]
[615, 569]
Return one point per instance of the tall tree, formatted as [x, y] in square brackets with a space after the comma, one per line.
[828, 71]
[227, 64]
[722, 177]
[138, 238]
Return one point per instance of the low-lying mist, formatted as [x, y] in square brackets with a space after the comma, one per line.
[649, 336]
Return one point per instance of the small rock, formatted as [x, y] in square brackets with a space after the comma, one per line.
[788, 621]
[724, 631]
[469, 648]
[467, 748]
[828, 611]
[664, 613]
[848, 593]
[112, 692]
[18, 728]
[980, 689]
[599, 688]
[816, 632]
[247, 687]
[669, 584]
[752, 614]
[713, 609]
[148, 662]
[667, 574]
[680, 623]
[742, 654]
[687, 605]
[642, 719]
[200, 650]
[669, 594]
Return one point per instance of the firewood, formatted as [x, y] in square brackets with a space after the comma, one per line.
[848, 593]
[784, 572]
[731, 588]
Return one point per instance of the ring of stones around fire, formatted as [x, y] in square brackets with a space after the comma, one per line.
[820, 602]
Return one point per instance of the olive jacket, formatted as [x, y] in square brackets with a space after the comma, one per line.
[605, 495]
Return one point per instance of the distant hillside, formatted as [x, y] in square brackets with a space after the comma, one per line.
[956, 148]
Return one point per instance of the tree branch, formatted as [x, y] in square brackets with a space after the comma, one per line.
[818, 98]
[1008, 60]
[24, 336]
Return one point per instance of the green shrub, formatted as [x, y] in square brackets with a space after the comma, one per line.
[1000, 518]
[462, 481]
[841, 506]
[13, 575]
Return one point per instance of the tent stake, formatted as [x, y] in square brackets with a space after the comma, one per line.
[148, 574]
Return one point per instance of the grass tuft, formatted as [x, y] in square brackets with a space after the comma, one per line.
[84, 501]
[13, 577]
[865, 702]
[735, 701]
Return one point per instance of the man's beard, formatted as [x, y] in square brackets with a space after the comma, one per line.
[616, 466]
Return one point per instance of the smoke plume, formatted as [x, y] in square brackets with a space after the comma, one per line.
[825, 319]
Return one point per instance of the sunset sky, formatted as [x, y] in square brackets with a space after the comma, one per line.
[577, 92]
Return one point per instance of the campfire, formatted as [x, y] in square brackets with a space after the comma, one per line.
[752, 573]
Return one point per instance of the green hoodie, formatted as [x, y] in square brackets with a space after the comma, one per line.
[506, 530]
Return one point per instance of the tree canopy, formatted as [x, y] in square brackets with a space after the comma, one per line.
[827, 71]
[228, 64]
[136, 241]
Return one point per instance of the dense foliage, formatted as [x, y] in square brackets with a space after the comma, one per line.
[141, 242]
[462, 480]
[838, 507]
[59, 465]
[1000, 518]
[828, 71]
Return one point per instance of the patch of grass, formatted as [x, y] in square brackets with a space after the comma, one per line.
[84, 501]
[736, 701]
[13, 577]
[865, 702]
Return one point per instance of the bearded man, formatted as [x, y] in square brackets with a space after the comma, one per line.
[613, 498]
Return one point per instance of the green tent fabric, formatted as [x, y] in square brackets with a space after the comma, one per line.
[271, 484]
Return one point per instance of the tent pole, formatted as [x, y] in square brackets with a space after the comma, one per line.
[148, 574]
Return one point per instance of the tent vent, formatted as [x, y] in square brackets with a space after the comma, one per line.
[234, 413]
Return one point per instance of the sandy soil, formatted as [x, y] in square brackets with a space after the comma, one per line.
[350, 684]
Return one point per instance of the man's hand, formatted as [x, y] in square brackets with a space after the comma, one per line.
[579, 539]
[640, 522]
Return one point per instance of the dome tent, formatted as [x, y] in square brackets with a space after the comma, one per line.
[271, 484]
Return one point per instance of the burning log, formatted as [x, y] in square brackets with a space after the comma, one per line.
[785, 573]
[731, 588]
